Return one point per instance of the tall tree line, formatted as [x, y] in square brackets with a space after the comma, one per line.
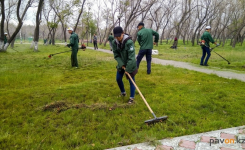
[184, 19]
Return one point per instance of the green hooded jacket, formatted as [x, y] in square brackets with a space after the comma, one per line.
[207, 38]
[110, 38]
[145, 38]
[124, 54]
[74, 40]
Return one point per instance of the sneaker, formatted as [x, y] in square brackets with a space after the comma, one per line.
[130, 101]
[122, 95]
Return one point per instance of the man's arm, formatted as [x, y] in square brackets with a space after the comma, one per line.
[72, 41]
[154, 33]
[211, 39]
[138, 37]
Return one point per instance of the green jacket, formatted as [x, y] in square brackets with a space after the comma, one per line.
[110, 38]
[74, 40]
[5, 39]
[207, 38]
[124, 54]
[145, 38]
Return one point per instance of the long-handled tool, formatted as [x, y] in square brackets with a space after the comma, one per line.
[211, 49]
[151, 121]
[57, 53]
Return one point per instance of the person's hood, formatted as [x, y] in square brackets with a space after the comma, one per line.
[124, 37]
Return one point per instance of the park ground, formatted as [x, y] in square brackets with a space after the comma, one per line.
[46, 104]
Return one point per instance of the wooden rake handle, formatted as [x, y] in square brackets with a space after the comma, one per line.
[140, 93]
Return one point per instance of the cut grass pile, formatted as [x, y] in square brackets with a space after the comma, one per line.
[46, 104]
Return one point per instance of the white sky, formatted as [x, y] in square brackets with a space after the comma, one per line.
[31, 13]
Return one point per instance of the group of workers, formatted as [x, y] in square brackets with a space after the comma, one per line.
[124, 52]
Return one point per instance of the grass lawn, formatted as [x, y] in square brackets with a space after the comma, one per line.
[192, 54]
[46, 104]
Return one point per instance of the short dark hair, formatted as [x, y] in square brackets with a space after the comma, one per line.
[141, 24]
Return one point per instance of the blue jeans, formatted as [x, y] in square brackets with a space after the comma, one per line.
[121, 85]
[147, 53]
[204, 51]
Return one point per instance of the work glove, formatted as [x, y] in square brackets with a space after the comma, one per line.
[132, 74]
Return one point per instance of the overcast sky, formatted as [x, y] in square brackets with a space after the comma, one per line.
[31, 13]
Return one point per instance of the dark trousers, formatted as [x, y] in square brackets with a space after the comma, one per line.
[205, 50]
[121, 85]
[147, 53]
[74, 62]
[95, 45]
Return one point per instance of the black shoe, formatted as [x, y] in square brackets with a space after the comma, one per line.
[122, 95]
[201, 64]
[205, 65]
[130, 101]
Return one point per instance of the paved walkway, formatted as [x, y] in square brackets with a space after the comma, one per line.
[226, 139]
[220, 73]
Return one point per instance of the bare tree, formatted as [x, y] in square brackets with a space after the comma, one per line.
[80, 13]
[109, 17]
[185, 11]
[52, 23]
[62, 10]
[161, 15]
[20, 18]
[137, 7]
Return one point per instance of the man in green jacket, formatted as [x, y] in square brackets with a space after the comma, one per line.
[206, 38]
[145, 39]
[110, 39]
[74, 40]
[124, 54]
[5, 37]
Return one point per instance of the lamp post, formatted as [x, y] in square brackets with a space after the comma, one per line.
[119, 17]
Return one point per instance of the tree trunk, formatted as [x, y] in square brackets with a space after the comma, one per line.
[224, 38]
[12, 43]
[237, 35]
[2, 26]
[36, 32]
[53, 37]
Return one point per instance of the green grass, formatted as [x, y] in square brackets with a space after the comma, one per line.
[193, 54]
[46, 104]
